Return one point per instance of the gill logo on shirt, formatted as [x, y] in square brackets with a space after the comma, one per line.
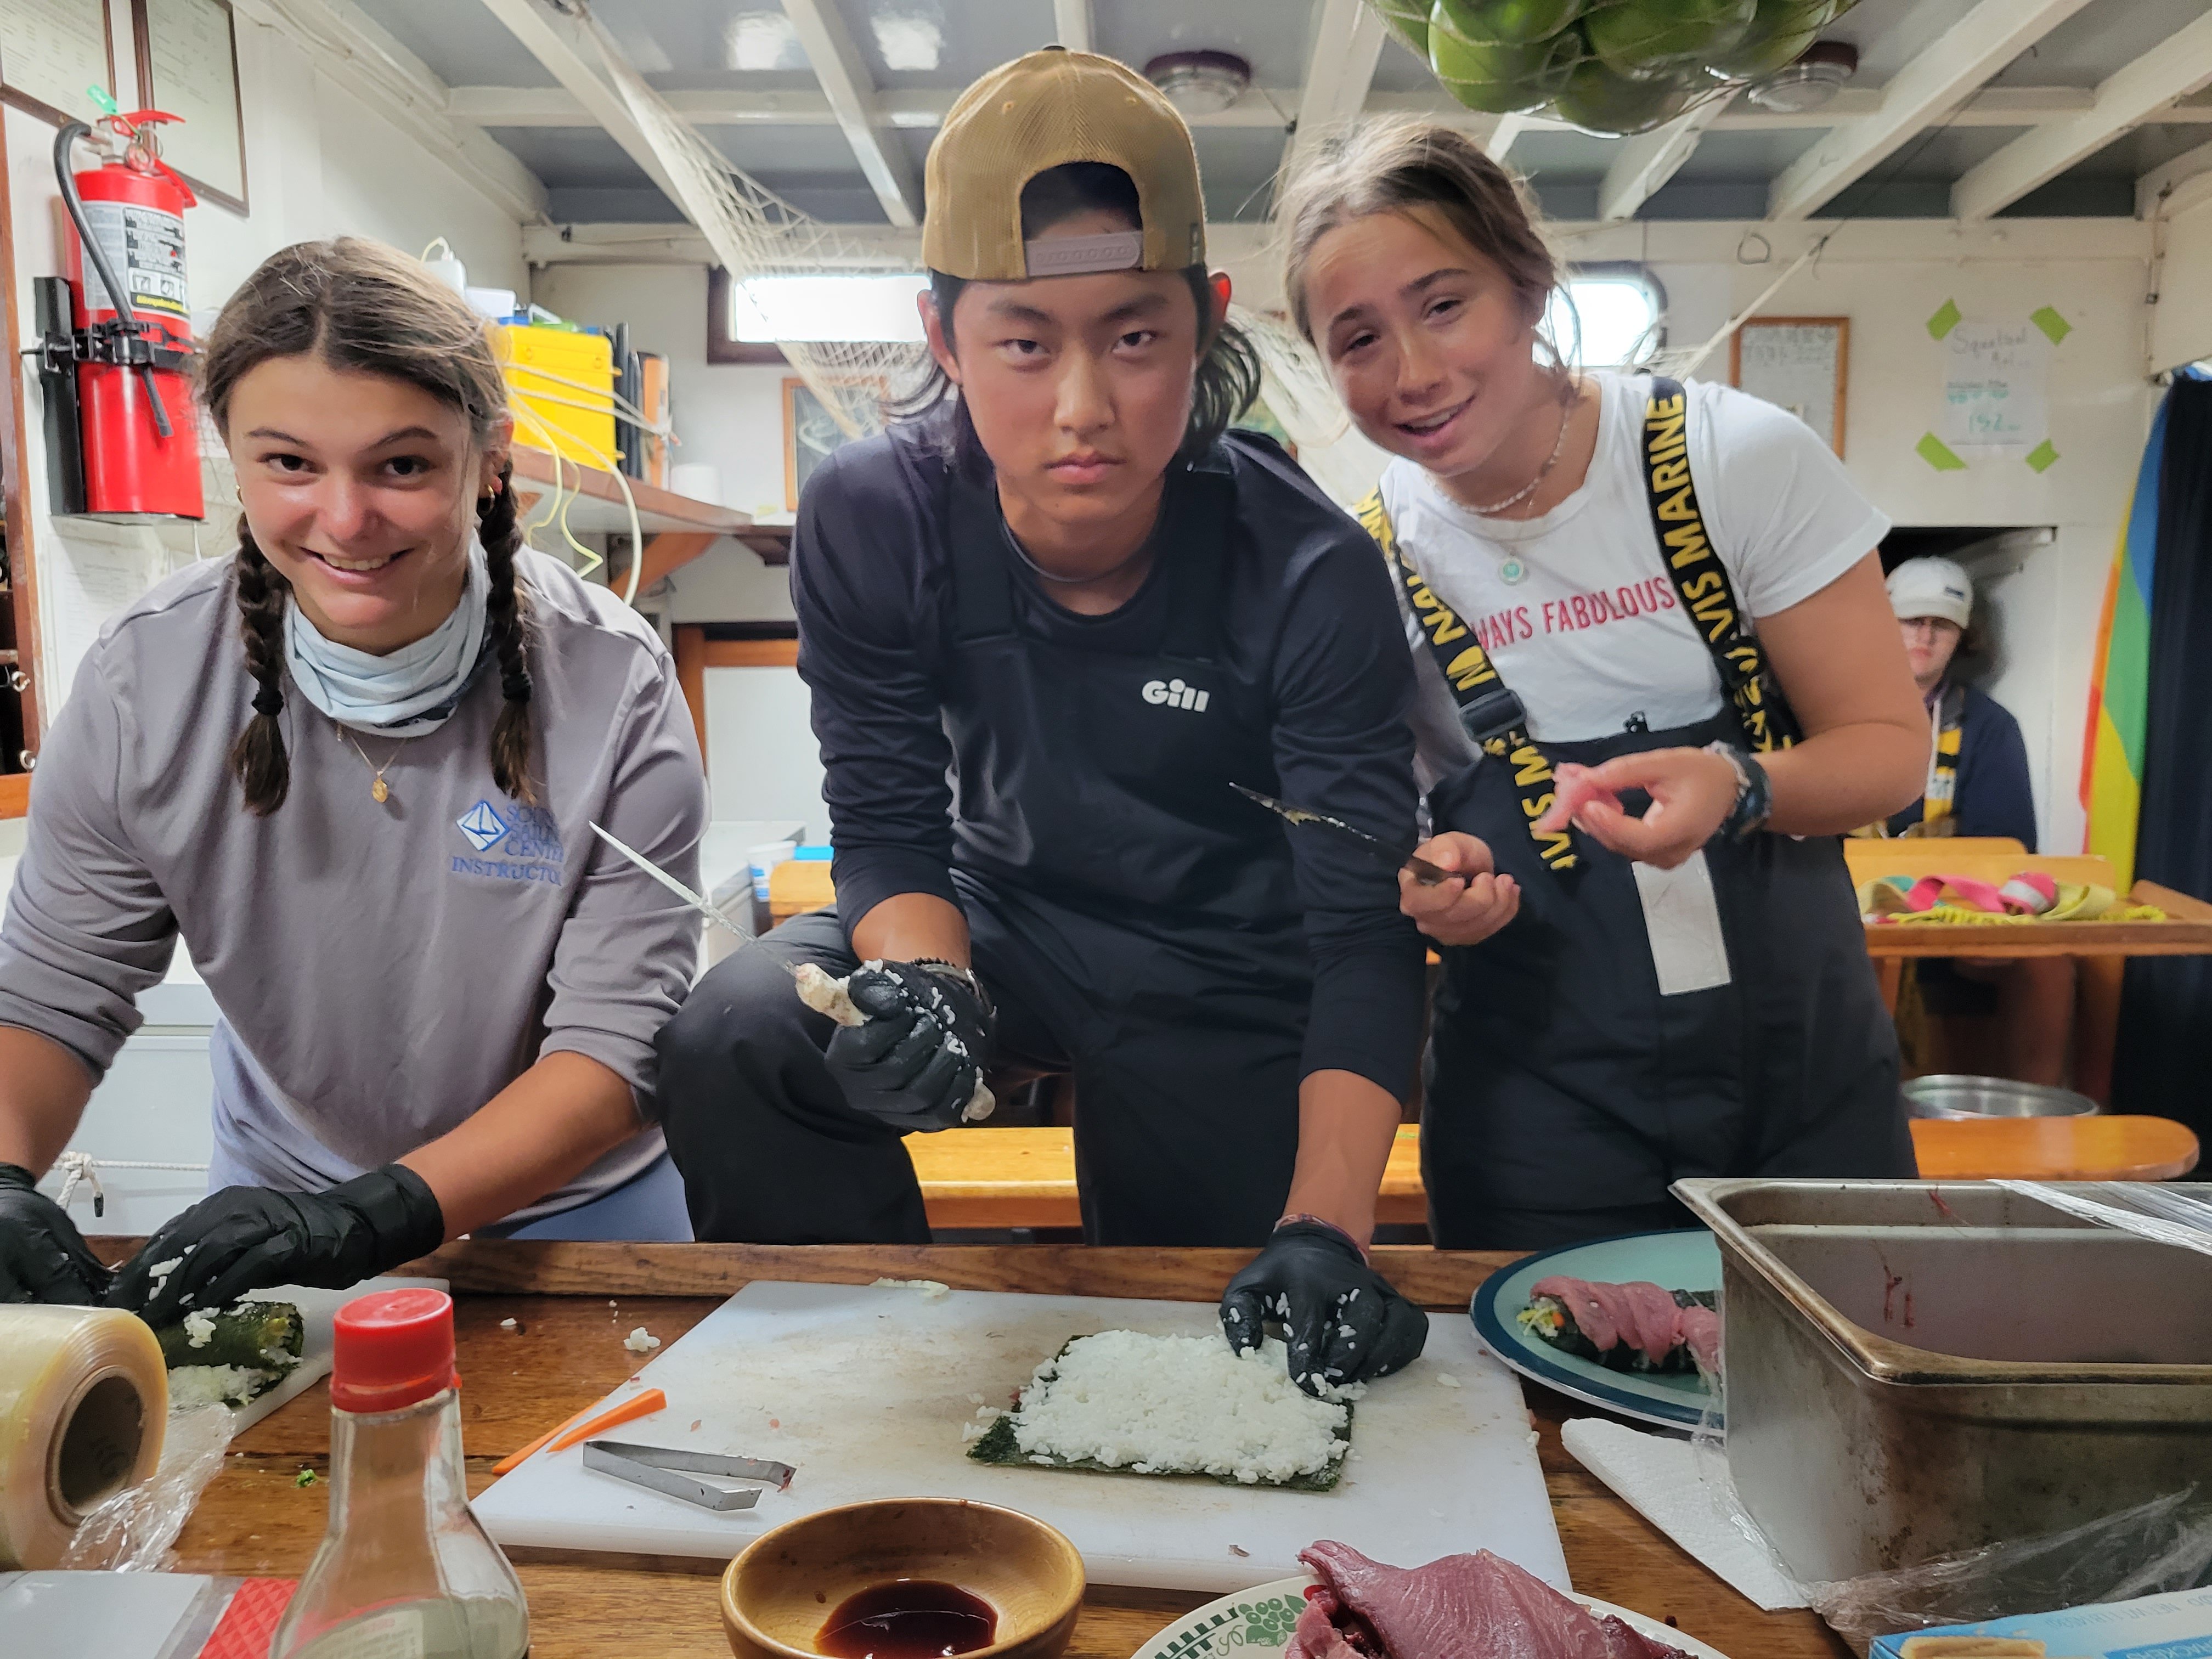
[527, 840]
[1176, 695]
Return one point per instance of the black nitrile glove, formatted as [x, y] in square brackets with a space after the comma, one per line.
[43, 1257]
[246, 1238]
[1341, 1318]
[917, 1063]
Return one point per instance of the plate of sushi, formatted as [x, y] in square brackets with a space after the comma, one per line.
[1348, 1606]
[1631, 1325]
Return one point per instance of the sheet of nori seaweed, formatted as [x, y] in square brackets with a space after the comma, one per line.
[243, 1336]
[998, 1446]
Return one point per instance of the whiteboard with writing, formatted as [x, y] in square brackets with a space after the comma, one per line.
[1798, 363]
[1995, 386]
[191, 57]
[51, 51]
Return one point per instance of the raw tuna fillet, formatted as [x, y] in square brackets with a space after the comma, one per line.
[1464, 1607]
[1641, 1315]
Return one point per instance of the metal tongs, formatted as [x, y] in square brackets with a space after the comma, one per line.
[666, 1469]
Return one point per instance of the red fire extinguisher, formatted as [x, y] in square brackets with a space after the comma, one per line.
[117, 339]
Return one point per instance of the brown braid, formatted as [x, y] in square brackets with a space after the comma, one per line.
[362, 307]
[497, 528]
[258, 758]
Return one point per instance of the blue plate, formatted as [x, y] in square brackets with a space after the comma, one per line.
[1688, 1260]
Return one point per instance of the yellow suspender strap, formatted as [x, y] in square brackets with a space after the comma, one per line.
[1491, 715]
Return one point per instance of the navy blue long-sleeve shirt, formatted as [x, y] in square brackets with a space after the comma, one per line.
[1993, 796]
[1309, 627]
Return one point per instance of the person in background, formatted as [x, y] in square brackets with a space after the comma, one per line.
[1047, 623]
[1658, 680]
[2001, 1017]
[355, 768]
[1977, 768]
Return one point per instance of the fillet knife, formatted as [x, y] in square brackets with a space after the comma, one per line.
[1428, 874]
[671, 883]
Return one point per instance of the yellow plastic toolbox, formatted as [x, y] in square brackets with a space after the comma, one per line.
[568, 406]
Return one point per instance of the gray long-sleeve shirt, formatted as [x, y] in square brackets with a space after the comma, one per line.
[382, 970]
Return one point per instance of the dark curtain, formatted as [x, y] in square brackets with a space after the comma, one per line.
[2164, 1062]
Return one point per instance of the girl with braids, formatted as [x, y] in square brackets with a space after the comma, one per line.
[1658, 678]
[354, 768]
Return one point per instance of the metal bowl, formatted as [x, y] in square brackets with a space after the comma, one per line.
[1951, 1094]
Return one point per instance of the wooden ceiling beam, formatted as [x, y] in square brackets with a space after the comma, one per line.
[923, 107]
[360, 54]
[851, 91]
[558, 44]
[1072, 25]
[1348, 39]
[1920, 95]
[2168, 73]
[1646, 162]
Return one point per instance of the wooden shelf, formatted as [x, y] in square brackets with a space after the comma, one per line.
[598, 509]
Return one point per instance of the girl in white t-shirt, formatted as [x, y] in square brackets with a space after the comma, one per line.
[1659, 676]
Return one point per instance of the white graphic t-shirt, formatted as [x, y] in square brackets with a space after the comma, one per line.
[1588, 633]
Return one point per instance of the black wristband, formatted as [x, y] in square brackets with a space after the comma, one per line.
[1754, 793]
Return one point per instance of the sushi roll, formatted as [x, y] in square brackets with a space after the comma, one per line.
[1626, 1328]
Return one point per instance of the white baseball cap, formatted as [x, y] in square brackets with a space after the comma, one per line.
[1931, 587]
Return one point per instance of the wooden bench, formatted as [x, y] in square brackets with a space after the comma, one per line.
[986, 1177]
[992, 1178]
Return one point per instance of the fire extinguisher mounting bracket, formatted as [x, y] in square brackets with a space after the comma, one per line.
[113, 343]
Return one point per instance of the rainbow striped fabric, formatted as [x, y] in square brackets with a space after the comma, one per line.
[2119, 695]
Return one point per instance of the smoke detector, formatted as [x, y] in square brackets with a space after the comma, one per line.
[1804, 86]
[1200, 82]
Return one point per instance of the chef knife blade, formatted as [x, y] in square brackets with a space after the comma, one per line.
[1428, 874]
[671, 883]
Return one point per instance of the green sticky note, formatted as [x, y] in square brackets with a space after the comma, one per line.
[2042, 456]
[2047, 320]
[1938, 454]
[1945, 320]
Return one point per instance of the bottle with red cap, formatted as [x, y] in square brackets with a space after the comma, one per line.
[404, 1572]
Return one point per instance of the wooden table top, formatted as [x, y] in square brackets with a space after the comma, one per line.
[2121, 1148]
[565, 1352]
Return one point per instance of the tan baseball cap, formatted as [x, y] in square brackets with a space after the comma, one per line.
[1042, 112]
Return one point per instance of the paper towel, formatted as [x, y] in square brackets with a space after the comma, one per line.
[1688, 1496]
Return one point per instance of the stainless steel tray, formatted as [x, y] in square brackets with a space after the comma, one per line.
[1914, 1367]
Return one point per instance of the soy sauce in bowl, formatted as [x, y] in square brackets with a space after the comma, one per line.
[907, 1619]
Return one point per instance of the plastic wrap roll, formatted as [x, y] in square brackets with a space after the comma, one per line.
[82, 1402]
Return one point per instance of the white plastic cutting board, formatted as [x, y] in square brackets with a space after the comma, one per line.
[864, 1390]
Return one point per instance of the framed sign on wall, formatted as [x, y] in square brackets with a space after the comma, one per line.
[51, 52]
[1799, 363]
[188, 65]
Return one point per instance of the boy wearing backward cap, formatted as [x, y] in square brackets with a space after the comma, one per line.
[1048, 621]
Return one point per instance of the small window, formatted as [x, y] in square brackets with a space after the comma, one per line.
[1619, 309]
[745, 320]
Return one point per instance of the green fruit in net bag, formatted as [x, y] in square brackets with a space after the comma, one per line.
[1408, 19]
[1598, 100]
[1501, 77]
[1644, 37]
[1779, 36]
[1520, 23]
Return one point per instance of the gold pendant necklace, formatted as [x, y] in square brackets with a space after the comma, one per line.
[379, 791]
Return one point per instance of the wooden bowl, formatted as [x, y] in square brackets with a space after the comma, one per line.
[777, 1593]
